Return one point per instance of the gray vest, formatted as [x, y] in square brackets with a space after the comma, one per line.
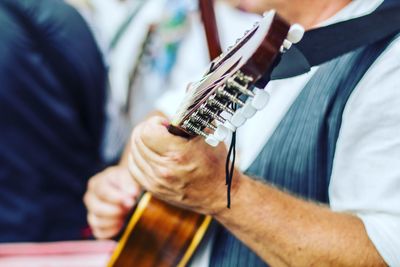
[299, 155]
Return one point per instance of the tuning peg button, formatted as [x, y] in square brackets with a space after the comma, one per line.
[238, 119]
[230, 127]
[221, 133]
[296, 33]
[248, 110]
[260, 99]
[211, 140]
[286, 46]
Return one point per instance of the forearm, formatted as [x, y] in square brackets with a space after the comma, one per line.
[286, 231]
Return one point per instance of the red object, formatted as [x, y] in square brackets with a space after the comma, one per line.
[56, 254]
[86, 233]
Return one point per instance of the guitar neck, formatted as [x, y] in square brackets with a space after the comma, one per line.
[210, 26]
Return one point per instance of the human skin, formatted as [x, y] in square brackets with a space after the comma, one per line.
[111, 195]
[306, 12]
[283, 231]
[286, 231]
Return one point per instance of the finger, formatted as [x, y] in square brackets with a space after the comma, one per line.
[136, 173]
[97, 222]
[127, 184]
[101, 208]
[121, 186]
[162, 170]
[106, 233]
[109, 193]
[156, 137]
[161, 183]
[144, 151]
[149, 162]
[105, 186]
[147, 182]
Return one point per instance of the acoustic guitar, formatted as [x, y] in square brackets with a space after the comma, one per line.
[159, 234]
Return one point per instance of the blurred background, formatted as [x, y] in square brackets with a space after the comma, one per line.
[75, 77]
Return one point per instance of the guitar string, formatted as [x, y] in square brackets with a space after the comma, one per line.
[194, 96]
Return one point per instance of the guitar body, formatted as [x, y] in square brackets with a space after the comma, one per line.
[161, 235]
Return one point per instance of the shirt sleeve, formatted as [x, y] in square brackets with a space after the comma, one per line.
[366, 170]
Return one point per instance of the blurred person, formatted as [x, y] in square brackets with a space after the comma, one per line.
[52, 95]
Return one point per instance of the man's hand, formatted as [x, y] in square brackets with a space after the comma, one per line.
[110, 196]
[280, 228]
[185, 173]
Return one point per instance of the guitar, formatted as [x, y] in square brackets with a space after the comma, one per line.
[159, 234]
[210, 27]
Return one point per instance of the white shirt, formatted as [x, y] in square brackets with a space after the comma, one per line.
[365, 178]
[150, 81]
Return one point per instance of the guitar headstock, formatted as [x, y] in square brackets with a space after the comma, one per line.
[227, 96]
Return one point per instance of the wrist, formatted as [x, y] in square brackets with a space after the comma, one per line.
[237, 180]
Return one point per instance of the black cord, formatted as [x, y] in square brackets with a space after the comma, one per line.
[230, 166]
[227, 163]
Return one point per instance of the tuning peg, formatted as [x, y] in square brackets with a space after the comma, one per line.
[248, 110]
[286, 46]
[212, 141]
[218, 104]
[229, 126]
[209, 138]
[233, 84]
[238, 119]
[243, 78]
[296, 33]
[230, 97]
[260, 99]
[205, 110]
[201, 120]
[221, 133]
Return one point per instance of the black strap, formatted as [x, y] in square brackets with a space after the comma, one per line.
[326, 43]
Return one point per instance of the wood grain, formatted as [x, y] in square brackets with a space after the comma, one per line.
[161, 236]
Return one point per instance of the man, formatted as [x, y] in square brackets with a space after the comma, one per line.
[52, 93]
[232, 23]
[361, 226]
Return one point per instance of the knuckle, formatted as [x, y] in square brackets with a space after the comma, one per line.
[91, 183]
[110, 171]
[166, 174]
[101, 191]
[178, 158]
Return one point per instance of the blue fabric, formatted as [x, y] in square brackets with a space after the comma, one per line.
[299, 155]
[52, 93]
